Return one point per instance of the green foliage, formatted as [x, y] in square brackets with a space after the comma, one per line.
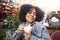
[13, 22]
[2, 34]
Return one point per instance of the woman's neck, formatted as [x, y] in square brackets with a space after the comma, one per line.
[27, 23]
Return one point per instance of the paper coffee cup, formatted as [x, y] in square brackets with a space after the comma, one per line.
[28, 29]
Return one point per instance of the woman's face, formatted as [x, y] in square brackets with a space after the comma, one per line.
[31, 15]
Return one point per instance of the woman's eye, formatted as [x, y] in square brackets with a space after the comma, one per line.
[34, 13]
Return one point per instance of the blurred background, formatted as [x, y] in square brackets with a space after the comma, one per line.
[9, 11]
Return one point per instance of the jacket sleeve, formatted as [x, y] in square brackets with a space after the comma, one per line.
[40, 32]
[16, 35]
[45, 34]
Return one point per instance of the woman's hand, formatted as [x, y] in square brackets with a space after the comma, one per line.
[21, 29]
[27, 36]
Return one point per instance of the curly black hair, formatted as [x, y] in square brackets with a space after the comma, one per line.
[26, 8]
[23, 11]
[39, 14]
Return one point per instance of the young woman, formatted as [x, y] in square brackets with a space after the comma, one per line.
[30, 15]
